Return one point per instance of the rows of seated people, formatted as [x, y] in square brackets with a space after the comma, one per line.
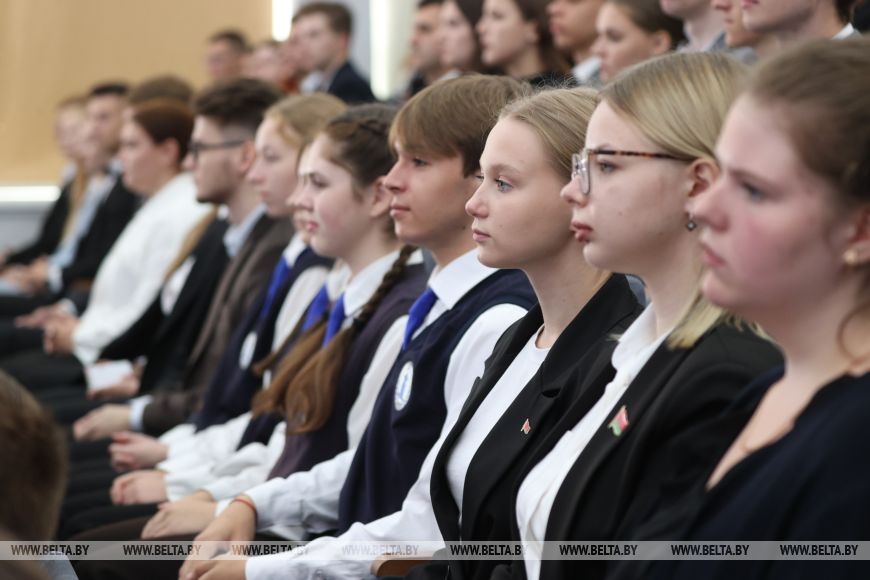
[620, 302]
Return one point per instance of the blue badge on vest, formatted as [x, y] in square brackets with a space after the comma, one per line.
[403, 386]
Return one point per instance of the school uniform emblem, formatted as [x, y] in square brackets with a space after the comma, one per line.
[403, 386]
[619, 423]
[526, 427]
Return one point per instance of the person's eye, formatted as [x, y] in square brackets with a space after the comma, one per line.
[605, 167]
[417, 162]
[503, 186]
[479, 177]
[753, 192]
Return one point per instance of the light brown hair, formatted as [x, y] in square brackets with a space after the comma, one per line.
[454, 117]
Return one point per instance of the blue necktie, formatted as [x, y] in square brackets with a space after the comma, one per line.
[319, 306]
[279, 276]
[418, 313]
[336, 318]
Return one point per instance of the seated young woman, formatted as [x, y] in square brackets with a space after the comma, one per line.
[786, 240]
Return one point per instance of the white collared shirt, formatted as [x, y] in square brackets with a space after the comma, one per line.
[586, 70]
[846, 32]
[309, 500]
[236, 234]
[132, 273]
[538, 490]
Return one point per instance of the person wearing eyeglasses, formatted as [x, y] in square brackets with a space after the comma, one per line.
[646, 431]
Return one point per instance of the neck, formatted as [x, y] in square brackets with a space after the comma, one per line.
[335, 64]
[672, 280]
[809, 334]
[376, 244]
[563, 284]
[823, 24]
[241, 203]
[766, 45]
[160, 182]
[703, 28]
[444, 253]
[433, 74]
[527, 64]
[578, 55]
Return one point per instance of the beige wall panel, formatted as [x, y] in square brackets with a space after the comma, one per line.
[53, 48]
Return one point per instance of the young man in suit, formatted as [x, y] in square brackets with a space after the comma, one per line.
[225, 55]
[323, 30]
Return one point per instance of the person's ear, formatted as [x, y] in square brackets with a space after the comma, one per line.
[660, 42]
[857, 251]
[247, 156]
[702, 174]
[379, 199]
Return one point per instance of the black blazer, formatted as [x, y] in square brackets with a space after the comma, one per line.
[166, 340]
[109, 221]
[673, 441]
[488, 482]
[50, 233]
[350, 86]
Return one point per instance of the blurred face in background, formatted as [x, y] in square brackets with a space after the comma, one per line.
[504, 34]
[572, 23]
[265, 63]
[621, 43]
[426, 39]
[736, 35]
[147, 164]
[458, 39]
[104, 119]
[320, 47]
[274, 172]
[222, 61]
[69, 131]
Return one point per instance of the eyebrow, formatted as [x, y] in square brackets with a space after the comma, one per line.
[502, 168]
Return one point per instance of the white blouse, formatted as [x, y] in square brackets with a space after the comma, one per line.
[509, 385]
[538, 490]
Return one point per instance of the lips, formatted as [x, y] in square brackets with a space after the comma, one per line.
[311, 226]
[479, 235]
[710, 258]
[396, 209]
[582, 232]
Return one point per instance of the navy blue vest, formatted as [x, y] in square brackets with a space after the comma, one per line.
[232, 386]
[409, 412]
[304, 451]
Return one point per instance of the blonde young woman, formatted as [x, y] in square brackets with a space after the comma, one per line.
[646, 427]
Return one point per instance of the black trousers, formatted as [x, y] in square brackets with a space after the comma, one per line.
[14, 339]
[39, 371]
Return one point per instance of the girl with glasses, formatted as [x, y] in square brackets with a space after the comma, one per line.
[641, 435]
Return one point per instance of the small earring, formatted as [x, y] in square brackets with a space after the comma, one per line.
[691, 225]
[850, 256]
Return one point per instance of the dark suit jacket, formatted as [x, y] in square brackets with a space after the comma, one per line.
[166, 340]
[109, 221]
[349, 86]
[239, 286]
[49, 234]
[488, 482]
[675, 436]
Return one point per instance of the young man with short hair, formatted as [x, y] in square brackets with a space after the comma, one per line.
[323, 31]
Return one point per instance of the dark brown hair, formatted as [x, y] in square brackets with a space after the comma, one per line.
[536, 11]
[306, 380]
[161, 87]
[337, 15]
[34, 459]
[237, 102]
[166, 120]
[454, 117]
[234, 38]
[649, 16]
